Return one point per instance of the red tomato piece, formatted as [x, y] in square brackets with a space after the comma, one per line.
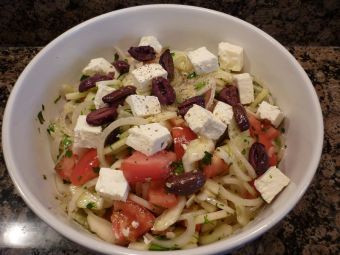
[255, 125]
[130, 221]
[86, 168]
[217, 166]
[158, 196]
[181, 135]
[139, 167]
[65, 166]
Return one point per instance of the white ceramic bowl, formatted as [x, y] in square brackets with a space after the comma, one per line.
[180, 27]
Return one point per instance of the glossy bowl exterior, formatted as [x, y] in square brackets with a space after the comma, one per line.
[180, 27]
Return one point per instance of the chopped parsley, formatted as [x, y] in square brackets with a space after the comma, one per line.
[200, 85]
[206, 220]
[156, 247]
[57, 99]
[68, 153]
[41, 118]
[67, 142]
[173, 54]
[177, 167]
[96, 169]
[128, 110]
[84, 77]
[191, 75]
[278, 142]
[116, 56]
[206, 160]
[51, 128]
[283, 130]
[244, 152]
[91, 205]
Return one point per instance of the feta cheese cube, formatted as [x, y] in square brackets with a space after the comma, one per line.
[99, 66]
[112, 184]
[142, 106]
[149, 138]
[245, 87]
[271, 183]
[203, 60]
[151, 41]
[202, 122]
[270, 112]
[103, 90]
[223, 112]
[142, 76]
[85, 136]
[230, 56]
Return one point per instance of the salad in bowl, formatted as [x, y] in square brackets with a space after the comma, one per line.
[163, 149]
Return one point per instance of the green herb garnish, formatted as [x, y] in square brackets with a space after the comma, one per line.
[156, 247]
[57, 99]
[91, 205]
[177, 167]
[244, 152]
[116, 56]
[51, 128]
[68, 153]
[200, 85]
[191, 75]
[206, 160]
[283, 130]
[173, 54]
[67, 142]
[84, 77]
[41, 118]
[128, 110]
[206, 220]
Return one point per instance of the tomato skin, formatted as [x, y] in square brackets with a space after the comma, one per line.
[158, 196]
[139, 167]
[123, 216]
[217, 167]
[84, 170]
[65, 166]
[181, 135]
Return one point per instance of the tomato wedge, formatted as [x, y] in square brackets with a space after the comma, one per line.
[158, 196]
[86, 168]
[65, 166]
[130, 221]
[140, 168]
[217, 167]
[181, 135]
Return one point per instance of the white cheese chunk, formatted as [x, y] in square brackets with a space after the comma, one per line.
[103, 90]
[196, 151]
[142, 76]
[151, 41]
[112, 184]
[203, 60]
[223, 112]
[99, 66]
[271, 183]
[85, 136]
[149, 138]
[202, 122]
[270, 112]
[230, 56]
[142, 106]
[245, 87]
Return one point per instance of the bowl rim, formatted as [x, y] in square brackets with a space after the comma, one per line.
[69, 232]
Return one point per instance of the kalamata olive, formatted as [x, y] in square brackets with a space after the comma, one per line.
[118, 95]
[91, 81]
[167, 62]
[229, 95]
[101, 116]
[258, 158]
[112, 137]
[162, 89]
[241, 117]
[187, 104]
[121, 66]
[185, 184]
[142, 53]
[224, 136]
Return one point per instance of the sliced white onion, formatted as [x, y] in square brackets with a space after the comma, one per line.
[179, 241]
[144, 203]
[90, 183]
[72, 205]
[60, 186]
[117, 123]
[237, 200]
[100, 226]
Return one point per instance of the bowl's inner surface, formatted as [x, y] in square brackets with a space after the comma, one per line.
[27, 153]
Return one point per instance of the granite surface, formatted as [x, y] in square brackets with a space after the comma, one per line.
[291, 22]
[311, 228]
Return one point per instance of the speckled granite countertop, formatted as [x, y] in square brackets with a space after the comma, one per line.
[311, 228]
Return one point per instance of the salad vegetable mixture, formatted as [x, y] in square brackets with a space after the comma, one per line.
[165, 149]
